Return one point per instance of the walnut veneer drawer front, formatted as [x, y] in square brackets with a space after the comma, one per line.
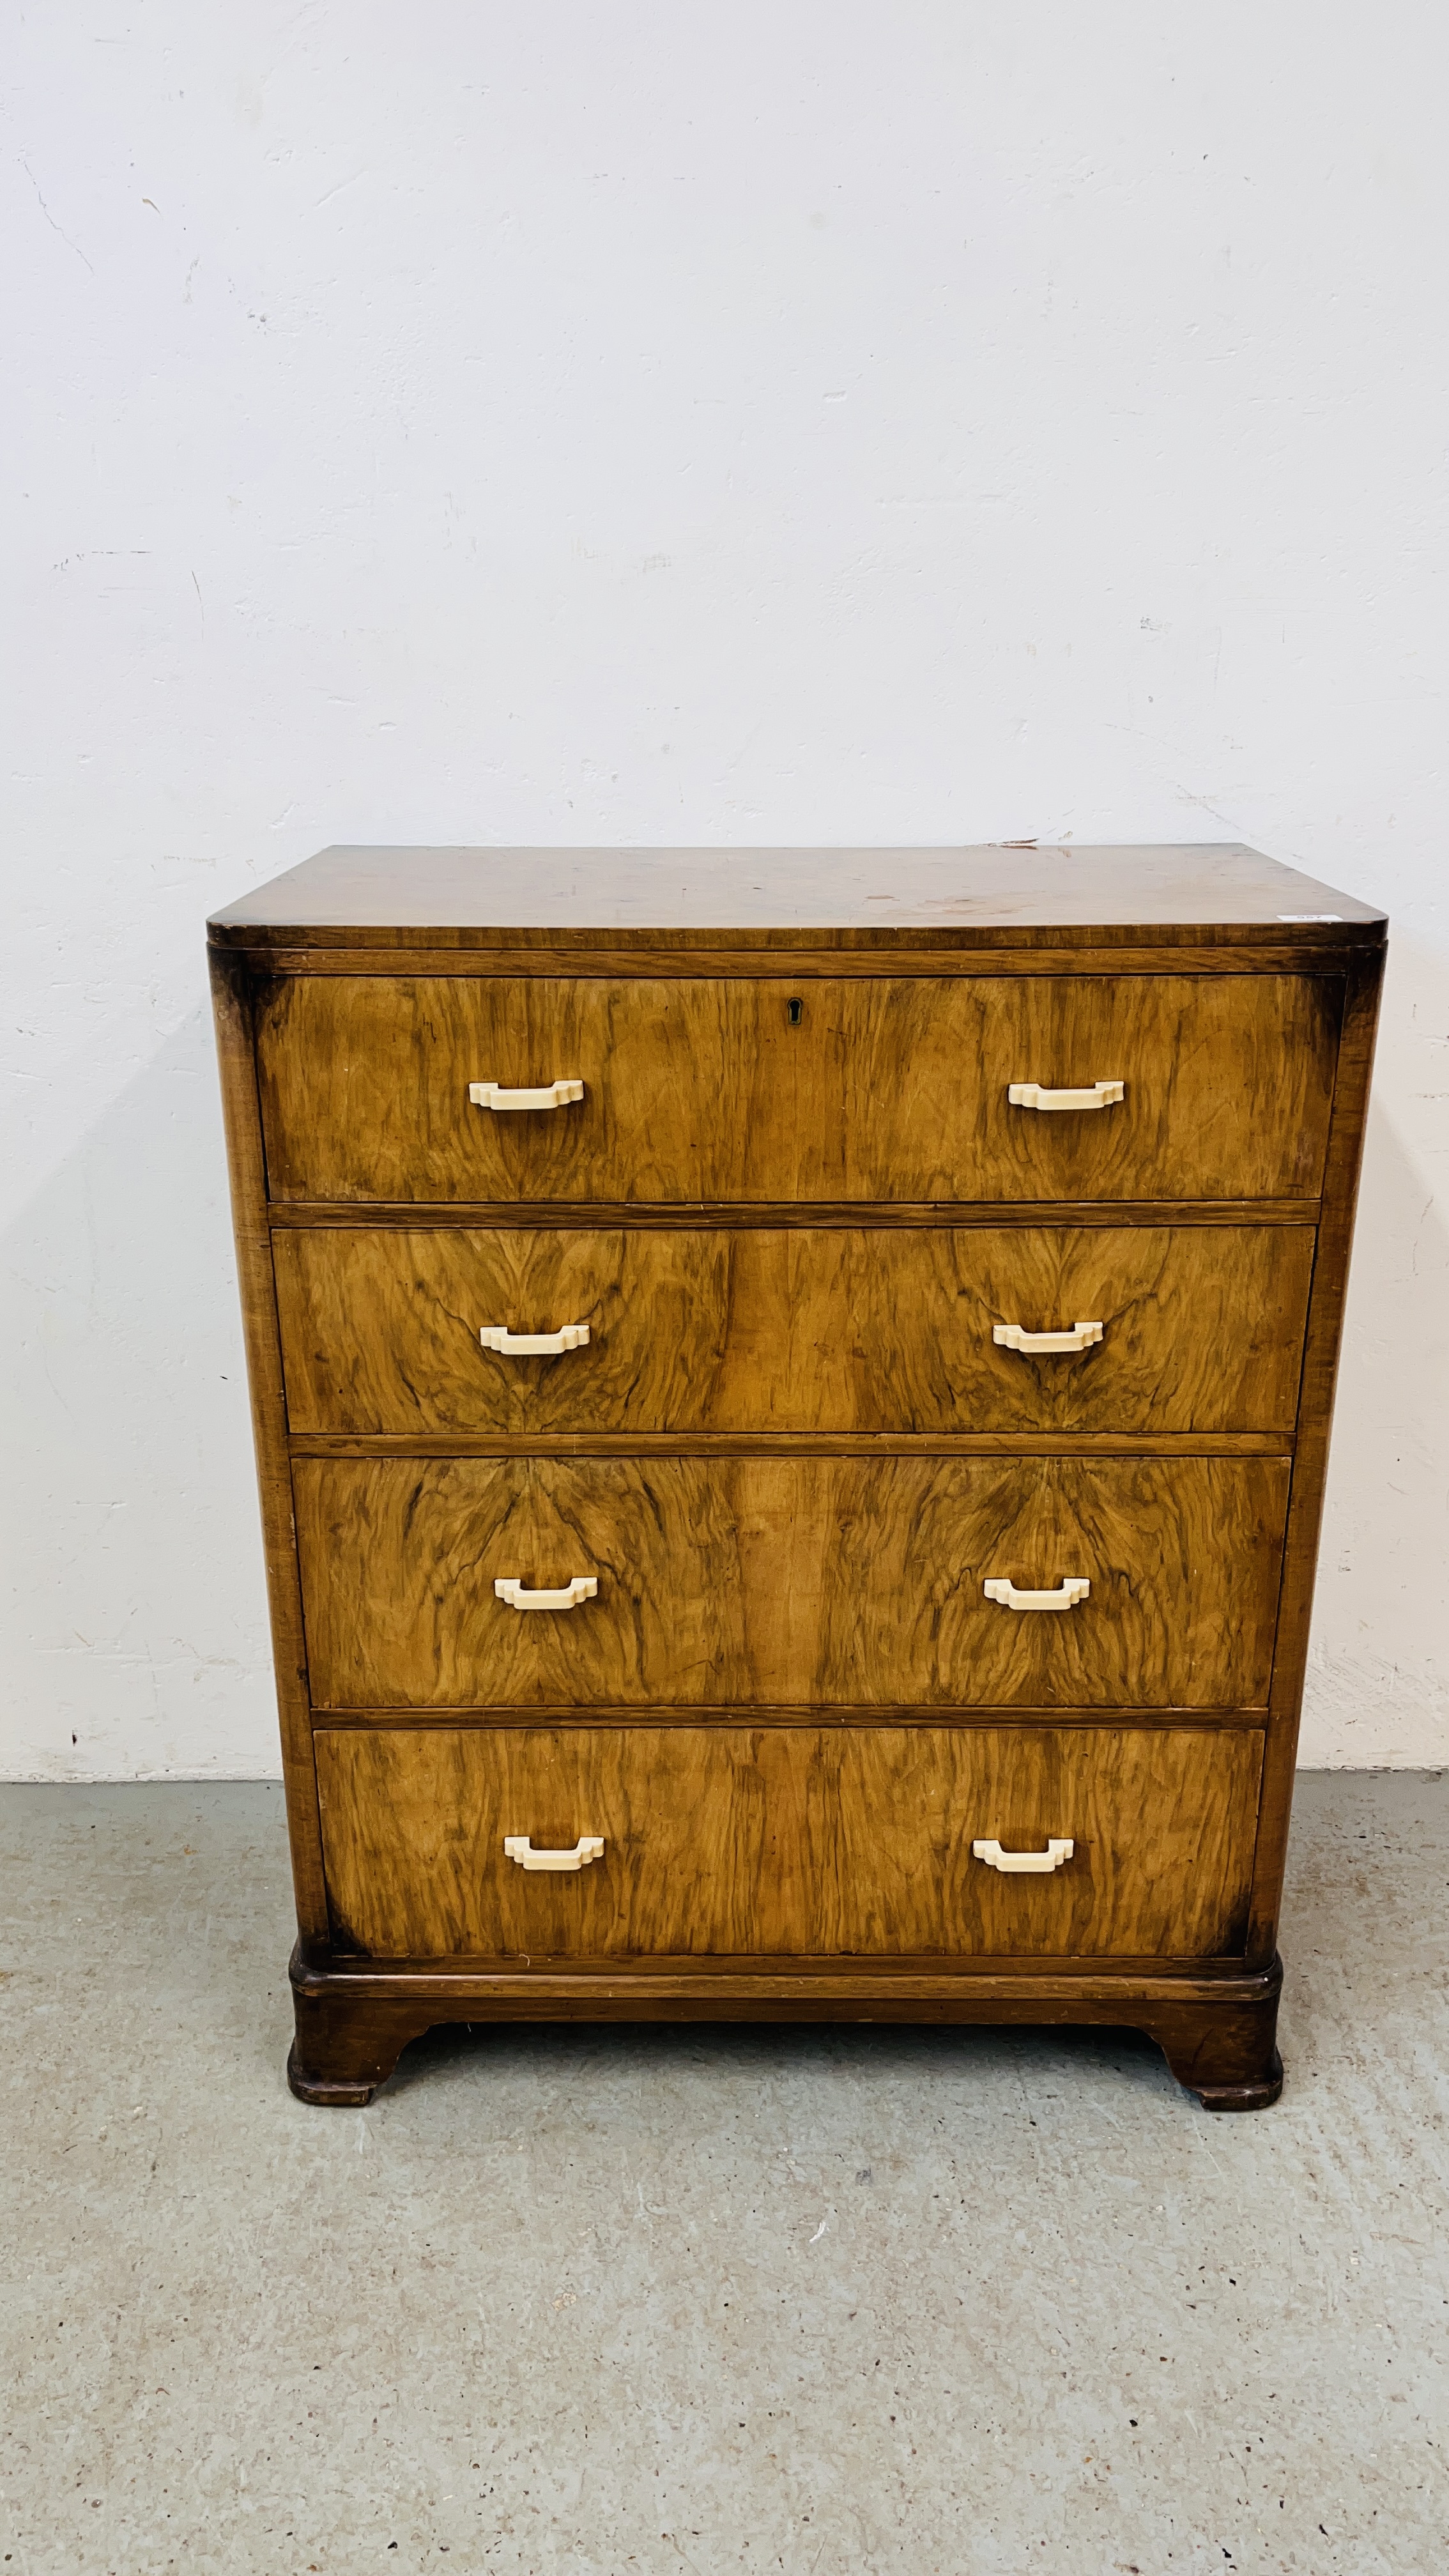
[788, 1841]
[831, 1582]
[889, 1088]
[1148, 1328]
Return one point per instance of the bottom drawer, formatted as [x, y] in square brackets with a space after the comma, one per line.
[750, 1841]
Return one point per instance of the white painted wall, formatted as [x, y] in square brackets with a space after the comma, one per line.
[802, 420]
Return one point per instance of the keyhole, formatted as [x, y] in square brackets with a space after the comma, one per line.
[795, 1007]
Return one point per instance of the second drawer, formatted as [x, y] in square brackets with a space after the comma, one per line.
[847, 1582]
[1193, 1328]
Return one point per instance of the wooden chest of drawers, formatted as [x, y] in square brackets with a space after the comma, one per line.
[791, 1396]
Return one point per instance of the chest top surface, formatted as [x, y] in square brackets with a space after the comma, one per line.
[1001, 895]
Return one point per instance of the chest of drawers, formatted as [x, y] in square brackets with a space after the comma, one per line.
[791, 1395]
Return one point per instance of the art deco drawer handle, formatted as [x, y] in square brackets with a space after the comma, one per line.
[996, 1858]
[1079, 1338]
[583, 1588]
[1068, 1593]
[491, 1095]
[1030, 1095]
[569, 1337]
[588, 1847]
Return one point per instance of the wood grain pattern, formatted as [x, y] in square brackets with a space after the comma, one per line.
[788, 1331]
[825, 1582]
[740, 898]
[814, 1841]
[796, 963]
[545, 1712]
[232, 1014]
[798, 1444]
[1320, 1373]
[894, 1088]
[909, 1216]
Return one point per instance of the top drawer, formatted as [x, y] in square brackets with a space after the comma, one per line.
[736, 1090]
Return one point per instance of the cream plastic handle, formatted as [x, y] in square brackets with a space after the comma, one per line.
[588, 1847]
[1068, 1593]
[996, 1858]
[1079, 1338]
[508, 1588]
[497, 1337]
[1030, 1095]
[492, 1095]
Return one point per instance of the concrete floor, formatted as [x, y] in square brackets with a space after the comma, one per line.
[706, 2301]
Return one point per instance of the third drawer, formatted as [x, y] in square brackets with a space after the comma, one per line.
[1176, 1328]
[740, 1582]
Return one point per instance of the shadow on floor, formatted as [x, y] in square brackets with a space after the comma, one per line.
[775, 2052]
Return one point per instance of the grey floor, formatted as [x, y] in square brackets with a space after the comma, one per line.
[706, 2300]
